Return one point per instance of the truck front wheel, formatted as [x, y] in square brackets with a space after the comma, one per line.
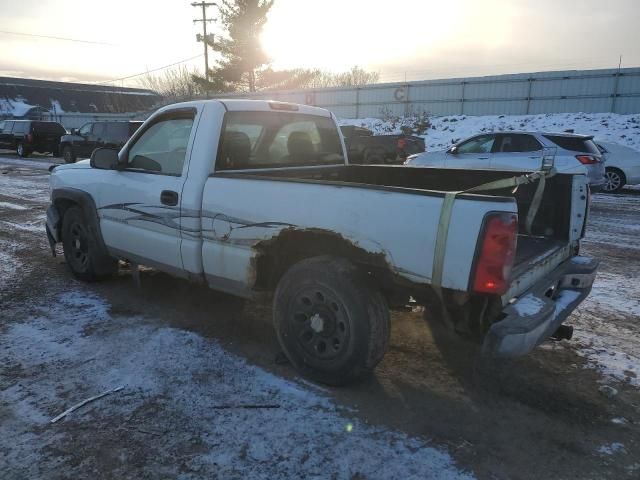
[331, 321]
[86, 260]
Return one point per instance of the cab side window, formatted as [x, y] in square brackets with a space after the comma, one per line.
[85, 129]
[162, 148]
[481, 144]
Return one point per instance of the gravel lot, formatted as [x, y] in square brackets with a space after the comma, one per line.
[190, 360]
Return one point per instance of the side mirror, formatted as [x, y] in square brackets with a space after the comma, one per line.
[104, 159]
[453, 150]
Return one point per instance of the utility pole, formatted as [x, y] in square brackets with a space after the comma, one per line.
[204, 37]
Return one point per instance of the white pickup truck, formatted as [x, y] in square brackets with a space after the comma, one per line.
[258, 196]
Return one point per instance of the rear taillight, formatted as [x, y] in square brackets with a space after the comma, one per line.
[496, 255]
[29, 137]
[402, 143]
[587, 159]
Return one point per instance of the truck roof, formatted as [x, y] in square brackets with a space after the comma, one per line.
[237, 104]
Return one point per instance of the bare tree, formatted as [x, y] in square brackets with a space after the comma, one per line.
[316, 78]
[173, 84]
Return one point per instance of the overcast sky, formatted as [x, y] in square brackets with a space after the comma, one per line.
[416, 38]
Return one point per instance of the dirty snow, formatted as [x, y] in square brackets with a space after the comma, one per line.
[36, 226]
[13, 206]
[9, 264]
[611, 449]
[307, 437]
[446, 130]
[32, 163]
[607, 322]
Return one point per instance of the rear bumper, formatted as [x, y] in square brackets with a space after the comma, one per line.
[534, 317]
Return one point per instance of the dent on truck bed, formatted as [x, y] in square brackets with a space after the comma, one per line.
[278, 245]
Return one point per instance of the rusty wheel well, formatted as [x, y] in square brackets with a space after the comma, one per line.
[275, 256]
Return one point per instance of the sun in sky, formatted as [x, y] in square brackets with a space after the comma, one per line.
[338, 34]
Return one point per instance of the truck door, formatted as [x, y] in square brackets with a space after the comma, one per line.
[140, 206]
[474, 153]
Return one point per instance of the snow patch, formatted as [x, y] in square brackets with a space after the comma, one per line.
[447, 130]
[308, 436]
[13, 206]
[611, 449]
[9, 263]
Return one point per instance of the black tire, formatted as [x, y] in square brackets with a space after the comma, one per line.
[68, 155]
[21, 150]
[331, 321]
[614, 180]
[86, 259]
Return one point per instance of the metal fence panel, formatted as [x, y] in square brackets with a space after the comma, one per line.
[604, 90]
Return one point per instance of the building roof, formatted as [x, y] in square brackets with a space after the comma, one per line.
[19, 95]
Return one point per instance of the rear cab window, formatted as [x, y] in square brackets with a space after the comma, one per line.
[278, 139]
[575, 144]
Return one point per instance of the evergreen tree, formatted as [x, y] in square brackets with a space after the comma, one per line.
[243, 57]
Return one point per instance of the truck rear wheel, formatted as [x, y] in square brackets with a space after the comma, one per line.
[331, 321]
[85, 258]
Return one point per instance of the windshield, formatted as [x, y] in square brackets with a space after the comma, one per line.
[282, 139]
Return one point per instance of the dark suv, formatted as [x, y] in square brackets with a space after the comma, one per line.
[26, 136]
[81, 142]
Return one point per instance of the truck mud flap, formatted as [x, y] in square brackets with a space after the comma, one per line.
[51, 226]
[540, 311]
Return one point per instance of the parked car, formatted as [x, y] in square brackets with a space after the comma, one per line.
[363, 147]
[622, 166]
[259, 197]
[26, 136]
[521, 151]
[81, 142]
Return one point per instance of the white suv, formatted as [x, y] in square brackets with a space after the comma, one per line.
[520, 151]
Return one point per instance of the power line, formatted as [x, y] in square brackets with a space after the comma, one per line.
[149, 71]
[51, 37]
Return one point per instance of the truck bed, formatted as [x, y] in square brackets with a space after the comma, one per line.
[550, 229]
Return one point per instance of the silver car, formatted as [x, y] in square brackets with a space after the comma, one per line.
[522, 152]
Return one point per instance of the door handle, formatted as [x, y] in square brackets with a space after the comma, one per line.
[169, 197]
[483, 158]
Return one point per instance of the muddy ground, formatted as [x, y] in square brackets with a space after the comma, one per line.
[548, 415]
